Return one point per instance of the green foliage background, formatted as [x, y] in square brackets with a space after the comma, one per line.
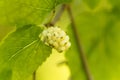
[21, 51]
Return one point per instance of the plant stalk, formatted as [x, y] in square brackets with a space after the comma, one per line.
[53, 21]
[81, 51]
[34, 75]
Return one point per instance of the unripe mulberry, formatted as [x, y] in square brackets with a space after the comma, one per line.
[56, 38]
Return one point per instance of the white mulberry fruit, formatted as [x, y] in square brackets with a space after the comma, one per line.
[56, 38]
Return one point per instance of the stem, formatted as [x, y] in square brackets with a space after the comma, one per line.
[34, 75]
[81, 51]
[51, 17]
[57, 17]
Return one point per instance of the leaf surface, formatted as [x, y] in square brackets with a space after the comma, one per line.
[23, 52]
[22, 12]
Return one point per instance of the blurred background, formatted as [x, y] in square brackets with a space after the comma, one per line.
[98, 24]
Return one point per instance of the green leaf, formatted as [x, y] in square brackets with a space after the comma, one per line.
[23, 52]
[6, 74]
[26, 11]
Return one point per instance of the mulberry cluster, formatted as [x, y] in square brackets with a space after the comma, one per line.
[56, 38]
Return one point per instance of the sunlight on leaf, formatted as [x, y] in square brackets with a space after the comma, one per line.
[23, 52]
[26, 11]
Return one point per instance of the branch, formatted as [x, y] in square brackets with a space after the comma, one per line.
[34, 75]
[81, 51]
[57, 17]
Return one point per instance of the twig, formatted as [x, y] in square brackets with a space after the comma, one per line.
[81, 51]
[57, 17]
[34, 75]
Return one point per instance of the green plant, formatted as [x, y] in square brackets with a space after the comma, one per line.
[93, 27]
